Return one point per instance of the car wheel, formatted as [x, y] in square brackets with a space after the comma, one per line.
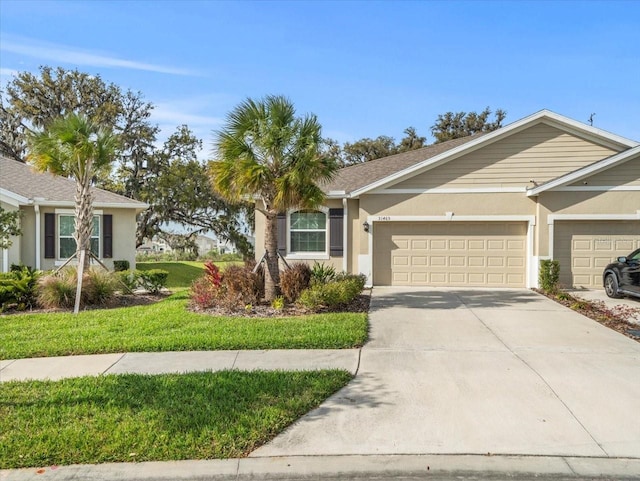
[611, 286]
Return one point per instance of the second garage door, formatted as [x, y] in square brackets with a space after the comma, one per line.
[487, 254]
[584, 248]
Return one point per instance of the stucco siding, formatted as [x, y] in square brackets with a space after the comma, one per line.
[12, 256]
[28, 239]
[336, 262]
[539, 153]
[625, 174]
[124, 237]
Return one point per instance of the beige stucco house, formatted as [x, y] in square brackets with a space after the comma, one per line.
[47, 223]
[479, 211]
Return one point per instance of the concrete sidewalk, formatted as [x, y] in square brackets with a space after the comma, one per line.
[55, 368]
[344, 468]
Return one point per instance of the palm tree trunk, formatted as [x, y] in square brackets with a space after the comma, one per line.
[272, 272]
[83, 219]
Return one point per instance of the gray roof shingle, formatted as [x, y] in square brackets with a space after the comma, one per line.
[354, 177]
[21, 179]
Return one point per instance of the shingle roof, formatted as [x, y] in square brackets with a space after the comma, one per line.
[357, 176]
[22, 180]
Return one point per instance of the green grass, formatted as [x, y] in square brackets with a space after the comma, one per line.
[169, 326]
[153, 418]
[181, 273]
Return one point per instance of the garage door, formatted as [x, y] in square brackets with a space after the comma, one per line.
[491, 254]
[584, 248]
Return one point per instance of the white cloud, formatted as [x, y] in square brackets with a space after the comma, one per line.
[72, 55]
[177, 114]
[8, 72]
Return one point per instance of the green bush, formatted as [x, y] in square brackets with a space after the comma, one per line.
[322, 273]
[333, 294]
[128, 280]
[294, 280]
[18, 288]
[549, 275]
[153, 280]
[121, 265]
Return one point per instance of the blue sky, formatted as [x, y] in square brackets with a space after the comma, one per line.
[364, 68]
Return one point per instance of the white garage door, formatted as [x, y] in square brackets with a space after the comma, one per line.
[584, 248]
[488, 254]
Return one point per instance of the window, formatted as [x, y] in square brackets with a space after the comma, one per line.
[308, 231]
[66, 242]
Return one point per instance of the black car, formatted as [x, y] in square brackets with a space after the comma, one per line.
[622, 278]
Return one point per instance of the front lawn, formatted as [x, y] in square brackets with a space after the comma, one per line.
[181, 273]
[153, 418]
[169, 326]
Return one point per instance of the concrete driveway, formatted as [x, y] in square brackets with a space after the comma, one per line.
[471, 371]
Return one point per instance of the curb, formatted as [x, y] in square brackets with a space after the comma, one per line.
[427, 466]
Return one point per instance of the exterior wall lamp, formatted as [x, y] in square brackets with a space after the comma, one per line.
[366, 226]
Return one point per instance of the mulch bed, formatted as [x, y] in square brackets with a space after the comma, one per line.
[118, 300]
[264, 310]
[613, 318]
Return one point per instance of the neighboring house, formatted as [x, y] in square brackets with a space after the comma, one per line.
[154, 246]
[478, 211]
[205, 244]
[47, 205]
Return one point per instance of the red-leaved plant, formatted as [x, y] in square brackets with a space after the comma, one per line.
[212, 274]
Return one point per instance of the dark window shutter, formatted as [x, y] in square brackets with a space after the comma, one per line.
[336, 232]
[282, 234]
[107, 236]
[49, 236]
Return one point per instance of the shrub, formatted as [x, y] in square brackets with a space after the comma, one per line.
[121, 265]
[549, 275]
[236, 288]
[203, 293]
[128, 280]
[333, 294]
[98, 287]
[278, 303]
[295, 280]
[212, 274]
[241, 287]
[58, 291]
[153, 280]
[18, 288]
[322, 273]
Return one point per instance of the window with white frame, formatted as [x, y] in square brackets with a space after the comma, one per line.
[66, 242]
[308, 231]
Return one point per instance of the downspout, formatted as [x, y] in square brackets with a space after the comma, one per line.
[345, 233]
[36, 207]
[5, 260]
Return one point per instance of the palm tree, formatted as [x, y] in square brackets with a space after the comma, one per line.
[74, 146]
[265, 153]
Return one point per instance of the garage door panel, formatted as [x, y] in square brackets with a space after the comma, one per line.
[451, 253]
[584, 248]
